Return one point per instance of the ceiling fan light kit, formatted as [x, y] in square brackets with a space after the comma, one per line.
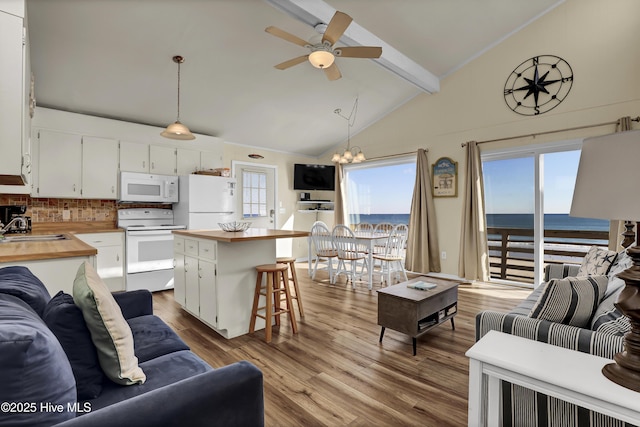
[321, 58]
[177, 130]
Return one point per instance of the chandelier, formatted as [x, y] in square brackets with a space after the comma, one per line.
[349, 154]
[177, 130]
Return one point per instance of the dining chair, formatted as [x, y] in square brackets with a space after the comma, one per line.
[392, 258]
[324, 252]
[344, 241]
[363, 227]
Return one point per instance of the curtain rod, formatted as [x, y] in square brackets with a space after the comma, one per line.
[533, 135]
[388, 156]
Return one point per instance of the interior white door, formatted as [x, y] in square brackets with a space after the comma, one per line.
[256, 195]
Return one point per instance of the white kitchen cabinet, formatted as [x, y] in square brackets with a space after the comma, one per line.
[162, 160]
[57, 274]
[179, 282]
[99, 168]
[187, 161]
[195, 277]
[210, 160]
[192, 285]
[145, 158]
[134, 157]
[59, 164]
[110, 258]
[12, 86]
[208, 291]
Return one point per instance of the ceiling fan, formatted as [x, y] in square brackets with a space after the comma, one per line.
[323, 53]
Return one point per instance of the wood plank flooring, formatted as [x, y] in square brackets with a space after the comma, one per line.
[334, 372]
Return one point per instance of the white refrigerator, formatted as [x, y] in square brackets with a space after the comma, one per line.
[205, 201]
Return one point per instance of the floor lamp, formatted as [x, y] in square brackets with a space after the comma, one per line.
[605, 188]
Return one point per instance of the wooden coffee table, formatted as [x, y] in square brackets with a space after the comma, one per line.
[414, 312]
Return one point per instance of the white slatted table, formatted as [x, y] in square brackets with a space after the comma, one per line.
[569, 375]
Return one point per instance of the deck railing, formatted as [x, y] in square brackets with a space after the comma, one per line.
[511, 250]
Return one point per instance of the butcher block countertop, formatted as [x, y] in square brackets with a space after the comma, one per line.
[241, 236]
[70, 247]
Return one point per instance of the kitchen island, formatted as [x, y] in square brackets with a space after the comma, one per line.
[215, 276]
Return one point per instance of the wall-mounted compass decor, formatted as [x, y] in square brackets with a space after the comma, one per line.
[538, 85]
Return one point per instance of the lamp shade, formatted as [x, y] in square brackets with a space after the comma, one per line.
[321, 59]
[177, 130]
[606, 183]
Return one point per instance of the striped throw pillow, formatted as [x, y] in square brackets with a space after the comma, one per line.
[570, 301]
[608, 318]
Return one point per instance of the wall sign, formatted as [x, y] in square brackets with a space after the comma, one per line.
[445, 178]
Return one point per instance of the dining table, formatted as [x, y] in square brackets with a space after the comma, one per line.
[364, 239]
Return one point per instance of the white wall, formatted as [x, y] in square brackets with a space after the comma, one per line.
[288, 217]
[597, 38]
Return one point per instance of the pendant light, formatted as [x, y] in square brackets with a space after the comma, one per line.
[177, 130]
[350, 154]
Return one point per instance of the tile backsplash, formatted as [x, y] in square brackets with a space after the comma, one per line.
[52, 210]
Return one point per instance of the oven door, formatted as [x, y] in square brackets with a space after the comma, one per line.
[149, 250]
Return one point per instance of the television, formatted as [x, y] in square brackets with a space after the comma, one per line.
[314, 177]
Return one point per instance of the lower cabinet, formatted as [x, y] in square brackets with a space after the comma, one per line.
[110, 258]
[195, 277]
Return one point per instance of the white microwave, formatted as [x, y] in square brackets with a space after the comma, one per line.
[147, 188]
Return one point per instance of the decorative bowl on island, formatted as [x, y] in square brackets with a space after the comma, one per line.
[234, 226]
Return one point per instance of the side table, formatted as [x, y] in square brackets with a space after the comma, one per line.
[569, 375]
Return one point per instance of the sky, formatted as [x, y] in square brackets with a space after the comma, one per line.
[384, 190]
[509, 185]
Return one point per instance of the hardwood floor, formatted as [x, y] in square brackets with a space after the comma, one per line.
[334, 372]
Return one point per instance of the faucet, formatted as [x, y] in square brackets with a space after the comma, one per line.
[21, 226]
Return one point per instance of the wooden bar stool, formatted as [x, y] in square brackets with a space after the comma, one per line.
[276, 283]
[290, 261]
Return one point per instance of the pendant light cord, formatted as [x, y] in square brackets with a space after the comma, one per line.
[354, 111]
[178, 118]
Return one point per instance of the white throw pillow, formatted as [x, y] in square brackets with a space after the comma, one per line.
[596, 262]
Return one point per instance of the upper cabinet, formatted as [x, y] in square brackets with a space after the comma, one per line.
[187, 161]
[74, 166]
[99, 168]
[60, 164]
[145, 158]
[12, 90]
[162, 160]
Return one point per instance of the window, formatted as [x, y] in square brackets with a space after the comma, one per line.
[528, 194]
[254, 194]
[380, 191]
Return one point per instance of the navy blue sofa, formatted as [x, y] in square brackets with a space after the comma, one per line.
[50, 375]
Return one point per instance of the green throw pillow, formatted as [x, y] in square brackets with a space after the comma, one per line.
[110, 332]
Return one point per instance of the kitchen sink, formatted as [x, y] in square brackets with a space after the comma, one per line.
[33, 238]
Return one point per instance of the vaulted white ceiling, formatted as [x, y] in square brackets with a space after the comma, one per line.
[112, 58]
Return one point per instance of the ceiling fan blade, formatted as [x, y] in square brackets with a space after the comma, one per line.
[332, 72]
[286, 36]
[359, 52]
[290, 63]
[336, 28]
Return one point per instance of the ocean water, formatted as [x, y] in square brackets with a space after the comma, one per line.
[551, 221]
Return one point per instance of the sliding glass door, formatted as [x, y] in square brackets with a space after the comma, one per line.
[528, 193]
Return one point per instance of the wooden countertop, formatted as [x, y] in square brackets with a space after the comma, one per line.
[241, 236]
[71, 247]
